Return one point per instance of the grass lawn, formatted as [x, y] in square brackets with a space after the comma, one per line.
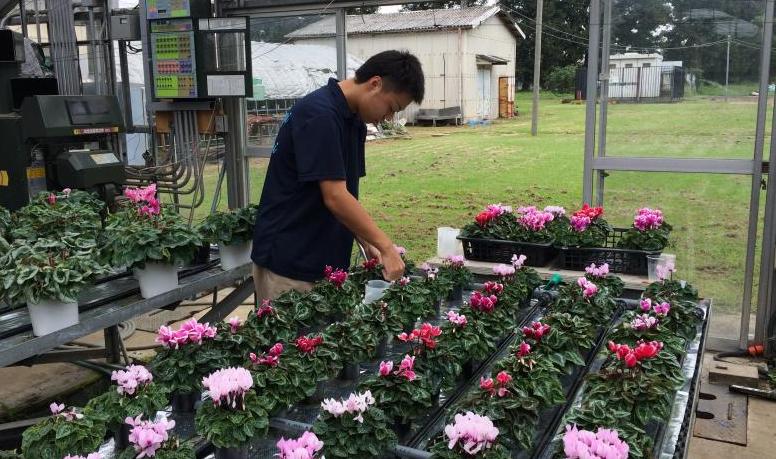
[443, 176]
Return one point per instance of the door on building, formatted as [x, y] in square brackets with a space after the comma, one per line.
[483, 92]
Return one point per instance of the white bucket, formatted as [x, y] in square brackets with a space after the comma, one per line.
[156, 278]
[447, 242]
[235, 255]
[48, 316]
[375, 289]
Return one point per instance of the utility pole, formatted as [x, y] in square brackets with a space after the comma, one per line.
[537, 68]
[727, 68]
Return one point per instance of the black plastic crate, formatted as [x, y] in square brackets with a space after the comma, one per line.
[623, 261]
[497, 251]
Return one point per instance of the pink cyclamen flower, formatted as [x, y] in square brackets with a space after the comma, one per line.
[503, 270]
[56, 409]
[406, 368]
[386, 367]
[227, 386]
[471, 432]
[265, 308]
[131, 379]
[536, 331]
[643, 322]
[589, 289]
[557, 211]
[88, 456]
[485, 303]
[455, 261]
[518, 262]
[662, 272]
[234, 324]
[403, 281]
[304, 447]
[148, 436]
[356, 404]
[598, 271]
[52, 199]
[457, 319]
[604, 443]
[645, 304]
[533, 219]
[662, 308]
[67, 191]
[648, 219]
[400, 250]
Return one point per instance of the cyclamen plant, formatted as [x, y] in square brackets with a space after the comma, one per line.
[353, 427]
[455, 270]
[155, 439]
[51, 215]
[186, 356]
[231, 402]
[470, 436]
[601, 277]
[603, 444]
[649, 231]
[401, 393]
[136, 395]
[306, 446]
[532, 225]
[266, 325]
[421, 339]
[499, 386]
[233, 227]
[495, 222]
[631, 357]
[586, 228]
[65, 432]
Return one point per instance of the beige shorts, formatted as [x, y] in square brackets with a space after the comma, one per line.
[270, 285]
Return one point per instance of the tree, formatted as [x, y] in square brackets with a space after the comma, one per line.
[564, 40]
[440, 5]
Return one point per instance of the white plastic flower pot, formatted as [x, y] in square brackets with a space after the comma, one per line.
[48, 316]
[235, 255]
[156, 278]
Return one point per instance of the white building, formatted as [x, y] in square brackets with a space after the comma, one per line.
[468, 55]
[640, 76]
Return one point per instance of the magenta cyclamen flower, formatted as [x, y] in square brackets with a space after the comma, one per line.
[532, 219]
[589, 289]
[662, 308]
[482, 302]
[304, 447]
[227, 386]
[386, 367]
[148, 436]
[265, 308]
[517, 262]
[648, 219]
[580, 223]
[598, 271]
[472, 432]
[131, 379]
[457, 319]
[406, 368]
[355, 404]
[536, 331]
[523, 350]
[583, 444]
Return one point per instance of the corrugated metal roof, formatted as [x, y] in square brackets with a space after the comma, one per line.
[406, 21]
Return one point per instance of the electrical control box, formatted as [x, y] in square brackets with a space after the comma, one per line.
[195, 56]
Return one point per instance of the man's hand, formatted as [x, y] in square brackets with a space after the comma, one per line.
[393, 265]
[371, 251]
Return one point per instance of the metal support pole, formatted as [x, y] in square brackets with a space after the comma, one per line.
[592, 90]
[93, 60]
[537, 68]
[727, 68]
[754, 198]
[342, 44]
[23, 16]
[765, 293]
[112, 344]
[607, 38]
[125, 89]
[235, 144]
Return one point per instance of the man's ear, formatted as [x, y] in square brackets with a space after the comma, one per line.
[375, 83]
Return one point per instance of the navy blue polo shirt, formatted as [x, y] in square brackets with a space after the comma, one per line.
[296, 236]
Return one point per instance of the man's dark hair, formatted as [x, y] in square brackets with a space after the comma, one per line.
[400, 71]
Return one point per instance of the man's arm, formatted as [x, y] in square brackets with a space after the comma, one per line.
[352, 214]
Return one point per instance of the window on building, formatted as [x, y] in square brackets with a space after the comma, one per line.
[627, 66]
[646, 64]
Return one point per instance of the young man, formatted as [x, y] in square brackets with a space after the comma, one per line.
[309, 211]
